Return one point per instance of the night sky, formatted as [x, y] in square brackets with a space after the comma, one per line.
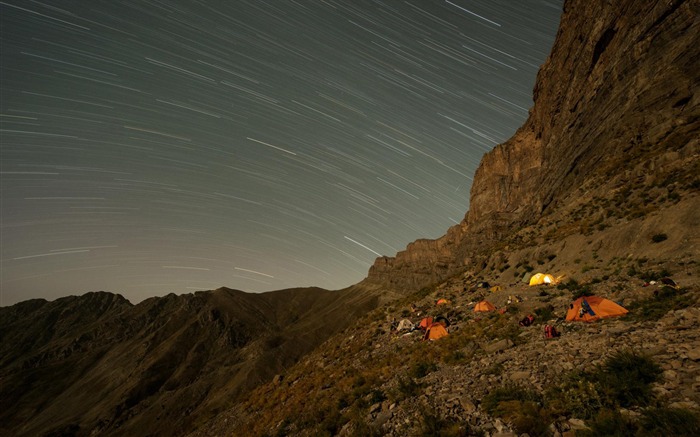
[151, 147]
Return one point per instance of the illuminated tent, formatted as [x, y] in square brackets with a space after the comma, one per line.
[542, 278]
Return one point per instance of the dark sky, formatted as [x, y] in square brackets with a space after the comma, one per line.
[151, 147]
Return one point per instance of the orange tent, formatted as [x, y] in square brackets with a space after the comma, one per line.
[592, 308]
[425, 323]
[443, 302]
[435, 331]
[484, 306]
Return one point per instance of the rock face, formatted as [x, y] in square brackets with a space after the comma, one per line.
[619, 89]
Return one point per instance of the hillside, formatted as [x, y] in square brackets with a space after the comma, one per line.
[600, 188]
[97, 363]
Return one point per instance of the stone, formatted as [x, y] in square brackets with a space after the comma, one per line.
[498, 346]
[382, 418]
[688, 405]
[577, 423]
[518, 376]
[693, 354]
[467, 405]
[670, 375]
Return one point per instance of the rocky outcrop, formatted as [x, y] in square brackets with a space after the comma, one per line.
[619, 88]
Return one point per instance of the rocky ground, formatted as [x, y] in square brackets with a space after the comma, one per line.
[373, 380]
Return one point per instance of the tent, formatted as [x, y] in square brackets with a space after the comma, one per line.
[435, 331]
[484, 306]
[669, 282]
[592, 308]
[443, 302]
[542, 278]
[425, 323]
[404, 325]
[496, 288]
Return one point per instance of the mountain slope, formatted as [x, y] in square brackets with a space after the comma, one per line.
[96, 363]
[616, 115]
[600, 187]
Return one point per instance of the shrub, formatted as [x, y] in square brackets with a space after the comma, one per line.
[609, 423]
[494, 402]
[433, 425]
[651, 275]
[578, 396]
[626, 378]
[333, 421]
[667, 421]
[656, 307]
[571, 284]
[658, 238]
[408, 388]
[422, 368]
[376, 396]
[544, 313]
[581, 292]
[527, 417]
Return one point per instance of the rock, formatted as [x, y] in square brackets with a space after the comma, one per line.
[382, 418]
[498, 346]
[468, 405]
[518, 376]
[498, 424]
[688, 405]
[577, 423]
[693, 354]
[617, 330]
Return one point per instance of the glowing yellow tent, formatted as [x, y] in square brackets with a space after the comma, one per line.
[542, 278]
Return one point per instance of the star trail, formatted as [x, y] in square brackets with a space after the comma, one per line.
[150, 147]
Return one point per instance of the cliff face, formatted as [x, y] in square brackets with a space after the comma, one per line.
[619, 89]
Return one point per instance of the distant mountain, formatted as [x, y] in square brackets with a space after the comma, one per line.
[98, 364]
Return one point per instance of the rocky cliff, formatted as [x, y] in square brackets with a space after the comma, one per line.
[619, 92]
